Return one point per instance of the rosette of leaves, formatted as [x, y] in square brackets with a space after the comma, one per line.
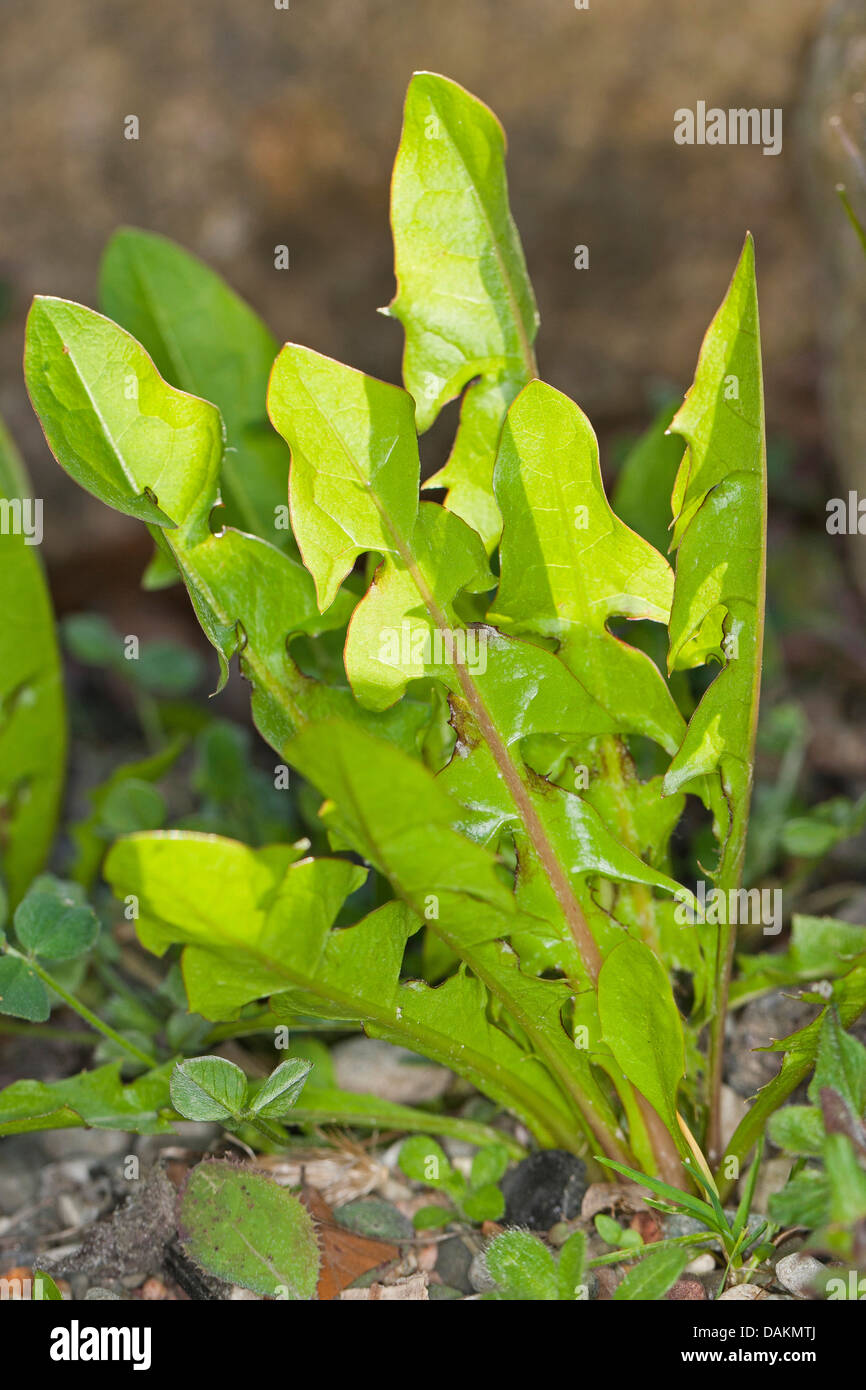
[474, 740]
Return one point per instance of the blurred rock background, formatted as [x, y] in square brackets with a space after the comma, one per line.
[261, 126]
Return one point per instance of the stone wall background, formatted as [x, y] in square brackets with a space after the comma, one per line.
[262, 126]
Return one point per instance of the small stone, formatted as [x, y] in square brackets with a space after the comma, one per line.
[772, 1176]
[374, 1218]
[425, 1258]
[703, 1264]
[607, 1277]
[686, 1290]
[454, 1263]
[412, 1289]
[677, 1224]
[392, 1073]
[732, 1109]
[560, 1232]
[713, 1282]
[798, 1272]
[97, 1293]
[479, 1276]
[547, 1187]
[741, 1293]
[154, 1289]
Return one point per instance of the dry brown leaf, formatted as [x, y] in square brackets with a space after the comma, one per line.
[413, 1289]
[345, 1255]
[611, 1196]
[341, 1173]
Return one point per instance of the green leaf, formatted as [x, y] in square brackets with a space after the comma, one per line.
[818, 947]
[321, 1105]
[671, 1196]
[522, 1267]
[88, 834]
[408, 627]
[22, 993]
[153, 452]
[484, 1203]
[650, 1280]
[569, 566]
[847, 1180]
[747, 1194]
[609, 1230]
[799, 1129]
[279, 1093]
[208, 1088]
[840, 1119]
[803, 1201]
[204, 340]
[826, 825]
[44, 1288]
[55, 926]
[129, 805]
[570, 1268]
[840, 1065]
[32, 716]
[243, 1228]
[164, 668]
[489, 1165]
[218, 897]
[718, 605]
[642, 1026]
[252, 923]
[463, 294]
[801, 1049]
[395, 814]
[91, 639]
[96, 1099]
[423, 1160]
[111, 420]
[431, 1218]
[367, 497]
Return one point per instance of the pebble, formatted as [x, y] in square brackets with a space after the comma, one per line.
[686, 1290]
[454, 1263]
[545, 1188]
[798, 1272]
[713, 1282]
[703, 1264]
[479, 1277]
[677, 1224]
[741, 1293]
[391, 1073]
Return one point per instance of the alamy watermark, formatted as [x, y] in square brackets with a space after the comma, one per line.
[732, 907]
[423, 647]
[847, 516]
[22, 516]
[737, 126]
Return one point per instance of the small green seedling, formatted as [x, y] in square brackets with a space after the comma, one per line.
[524, 1268]
[212, 1088]
[476, 1199]
[612, 1233]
